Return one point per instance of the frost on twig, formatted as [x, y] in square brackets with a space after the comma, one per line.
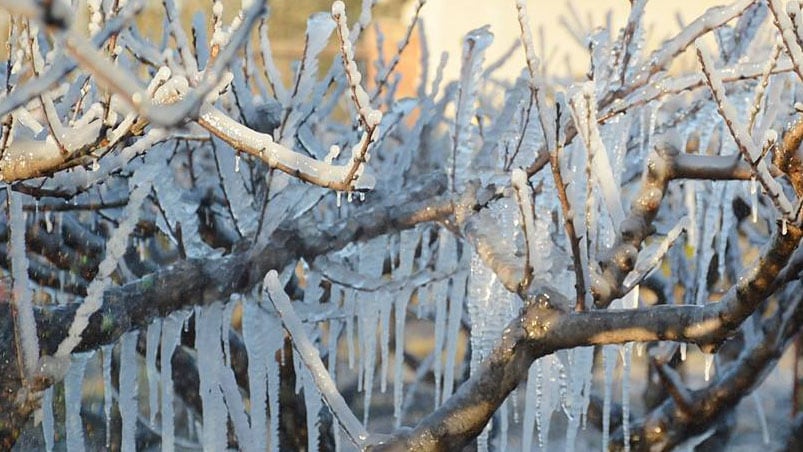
[743, 138]
[312, 360]
[22, 296]
[115, 249]
[474, 46]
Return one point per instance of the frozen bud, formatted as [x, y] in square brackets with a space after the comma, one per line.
[338, 8]
[374, 118]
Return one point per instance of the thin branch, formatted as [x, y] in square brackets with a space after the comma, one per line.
[312, 359]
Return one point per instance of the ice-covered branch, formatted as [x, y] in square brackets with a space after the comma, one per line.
[789, 33]
[663, 429]
[22, 296]
[711, 19]
[743, 138]
[311, 358]
[544, 327]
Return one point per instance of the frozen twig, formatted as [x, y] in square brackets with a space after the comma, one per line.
[383, 77]
[22, 296]
[312, 359]
[788, 32]
[743, 138]
[369, 117]
[711, 19]
[115, 249]
[526, 210]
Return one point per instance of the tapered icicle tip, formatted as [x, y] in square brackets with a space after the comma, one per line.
[519, 178]
[338, 8]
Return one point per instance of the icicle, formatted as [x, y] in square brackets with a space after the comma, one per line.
[171, 334]
[335, 327]
[728, 225]
[385, 307]
[783, 226]
[141, 250]
[474, 46]
[504, 424]
[683, 347]
[107, 351]
[609, 364]
[456, 299]
[48, 222]
[228, 311]
[73, 385]
[690, 200]
[237, 162]
[349, 309]
[207, 338]
[762, 418]
[402, 299]
[129, 392]
[371, 261]
[709, 362]
[236, 410]
[313, 405]
[530, 411]
[628, 353]
[548, 394]
[581, 361]
[439, 299]
[22, 295]
[152, 339]
[262, 336]
[273, 392]
[753, 200]
[48, 428]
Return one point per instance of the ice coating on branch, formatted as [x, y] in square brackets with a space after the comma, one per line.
[744, 140]
[179, 207]
[22, 296]
[651, 256]
[319, 28]
[245, 215]
[116, 246]
[273, 290]
[474, 46]
[584, 112]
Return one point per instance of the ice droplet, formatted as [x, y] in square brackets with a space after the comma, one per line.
[709, 361]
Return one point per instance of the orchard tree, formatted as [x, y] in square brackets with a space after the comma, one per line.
[240, 256]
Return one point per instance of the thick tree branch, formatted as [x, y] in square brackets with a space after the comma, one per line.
[543, 328]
